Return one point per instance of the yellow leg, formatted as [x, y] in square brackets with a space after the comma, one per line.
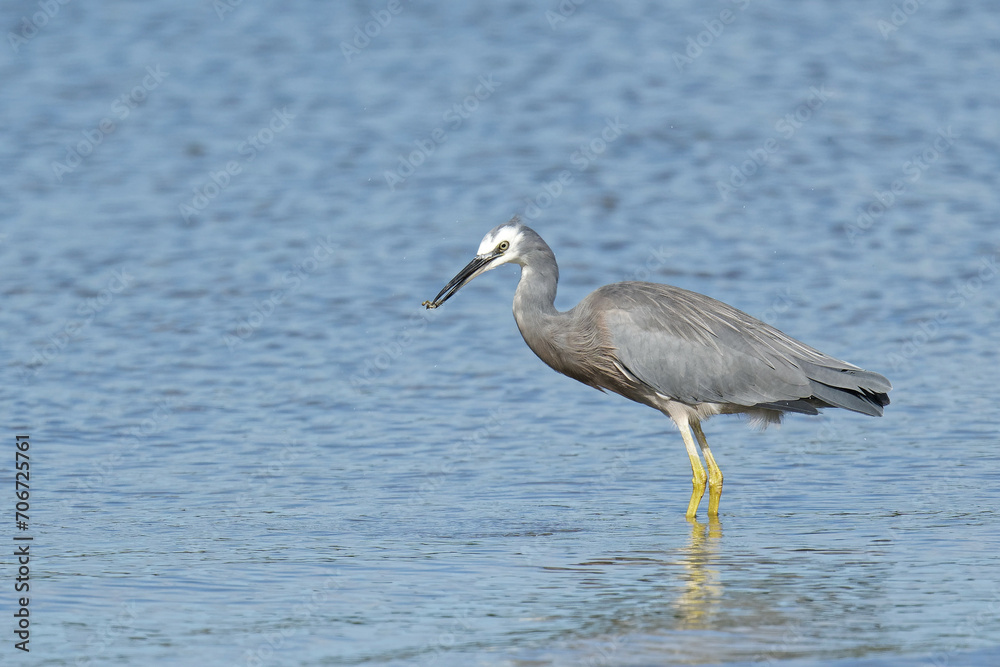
[714, 474]
[698, 476]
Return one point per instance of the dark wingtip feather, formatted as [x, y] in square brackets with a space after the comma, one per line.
[861, 400]
[853, 379]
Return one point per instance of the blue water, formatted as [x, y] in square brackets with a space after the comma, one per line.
[251, 446]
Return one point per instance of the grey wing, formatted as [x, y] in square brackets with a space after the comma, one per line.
[696, 349]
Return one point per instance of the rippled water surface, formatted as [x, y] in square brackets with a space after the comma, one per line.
[251, 446]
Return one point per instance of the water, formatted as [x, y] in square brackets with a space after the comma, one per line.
[250, 446]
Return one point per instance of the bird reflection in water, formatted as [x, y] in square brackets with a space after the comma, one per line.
[696, 606]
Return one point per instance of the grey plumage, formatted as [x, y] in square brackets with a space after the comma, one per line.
[680, 352]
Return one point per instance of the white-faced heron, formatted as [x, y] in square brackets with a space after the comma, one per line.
[683, 353]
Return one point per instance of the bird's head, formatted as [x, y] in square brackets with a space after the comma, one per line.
[504, 244]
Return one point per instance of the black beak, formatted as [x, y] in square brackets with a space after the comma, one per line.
[458, 282]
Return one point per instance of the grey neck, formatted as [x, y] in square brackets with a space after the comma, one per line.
[536, 291]
[534, 303]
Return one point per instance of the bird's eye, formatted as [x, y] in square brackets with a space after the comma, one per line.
[503, 245]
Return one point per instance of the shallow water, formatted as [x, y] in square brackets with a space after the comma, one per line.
[251, 446]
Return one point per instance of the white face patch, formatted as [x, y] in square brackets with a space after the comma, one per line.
[507, 233]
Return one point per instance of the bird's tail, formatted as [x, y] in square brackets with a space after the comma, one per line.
[850, 388]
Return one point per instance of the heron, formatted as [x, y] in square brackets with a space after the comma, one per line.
[685, 354]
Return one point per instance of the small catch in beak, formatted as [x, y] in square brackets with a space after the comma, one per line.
[471, 270]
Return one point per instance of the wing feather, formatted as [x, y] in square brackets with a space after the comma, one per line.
[695, 349]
